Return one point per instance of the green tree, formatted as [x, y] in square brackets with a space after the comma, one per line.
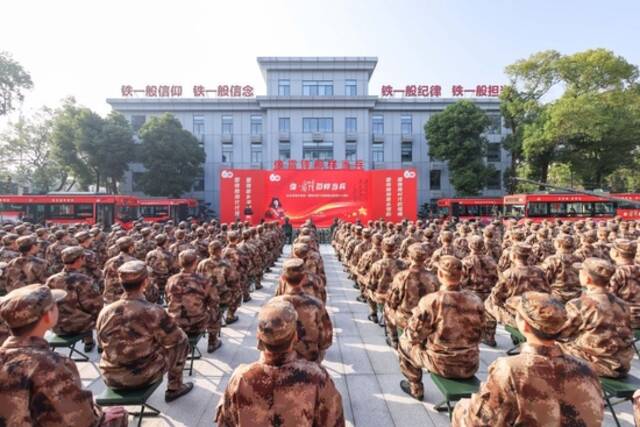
[171, 156]
[14, 80]
[95, 150]
[27, 150]
[455, 135]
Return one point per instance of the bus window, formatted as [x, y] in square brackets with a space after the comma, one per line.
[11, 207]
[514, 210]
[558, 209]
[603, 208]
[127, 213]
[538, 209]
[84, 210]
[60, 211]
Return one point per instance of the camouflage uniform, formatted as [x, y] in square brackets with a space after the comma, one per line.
[133, 360]
[366, 261]
[539, 387]
[443, 332]
[280, 388]
[625, 282]
[517, 280]
[480, 274]
[112, 287]
[222, 275]
[162, 265]
[558, 268]
[381, 276]
[192, 300]
[54, 251]
[25, 270]
[39, 386]
[408, 287]
[315, 331]
[238, 261]
[79, 309]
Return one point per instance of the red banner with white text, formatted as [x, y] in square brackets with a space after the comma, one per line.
[319, 195]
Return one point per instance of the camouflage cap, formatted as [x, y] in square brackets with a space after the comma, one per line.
[377, 238]
[59, 234]
[25, 242]
[417, 252]
[599, 270]
[476, 243]
[26, 305]
[293, 269]
[124, 242]
[233, 236]
[160, 238]
[540, 310]
[81, 236]
[72, 253]
[187, 257]
[565, 241]
[450, 266]
[146, 231]
[625, 248]
[300, 249]
[132, 271]
[180, 234]
[366, 232]
[305, 239]
[522, 250]
[9, 239]
[20, 229]
[388, 244]
[276, 323]
[41, 231]
[446, 236]
[215, 245]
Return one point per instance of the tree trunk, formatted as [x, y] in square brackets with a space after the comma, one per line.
[71, 185]
[97, 182]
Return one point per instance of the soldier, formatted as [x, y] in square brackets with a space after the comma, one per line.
[364, 264]
[140, 340]
[91, 266]
[625, 282]
[491, 243]
[54, 250]
[541, 386]
[112, 286]
[193, 301]
[558, 268]
[516, 280]
[315, 331]
[311, 283]
[39, 386]
[542, 248]
[181, 244]
[480, 274]
[380, 276]
[27, 268]
[145, 245]
[443, 333]
[162, 265]
[226, 280]
[9, 248]
[42, 236]
[362, 247]
[238, 262]
[446, 248]
[79, 309]
[408, 287]
[602, 244]
[280, 388]
[586, 249]
[599, 327]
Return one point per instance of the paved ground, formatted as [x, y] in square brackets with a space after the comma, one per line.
[363, 367]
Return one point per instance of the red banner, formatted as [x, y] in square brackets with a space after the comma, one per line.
[319, 195]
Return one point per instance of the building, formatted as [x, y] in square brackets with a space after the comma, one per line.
[314, 108]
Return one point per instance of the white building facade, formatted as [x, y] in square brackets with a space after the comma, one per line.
[314, 108]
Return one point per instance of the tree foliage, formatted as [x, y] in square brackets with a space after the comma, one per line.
[95, 151]
[593, 126]
[26, 153]
[456, 135]
[14, 80]
[172, 157]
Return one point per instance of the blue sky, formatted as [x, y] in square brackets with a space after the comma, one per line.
[88, 49]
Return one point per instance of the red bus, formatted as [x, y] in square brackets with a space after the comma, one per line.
[70, 208]
[483, 209]
[627, 210]
[162, 210]
[571, 206]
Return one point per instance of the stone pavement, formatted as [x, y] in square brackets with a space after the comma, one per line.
[364, 368]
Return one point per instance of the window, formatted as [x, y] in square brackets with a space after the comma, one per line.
[227, 125]
[494, 153]
[495, 125]
[494, 180]
[284, 151]
[317, 151]
[84, 210]
[58, 211]
[351, 151]
[198, 127]
[256, 153]
[406, 152]
[435, 178]
[136, 181]
[256, 125]
[154, 211]
[377, 153]
[538, 209]
[351, 125]
[317, 88]
[406, 124]
[284, 87]
[377, 124]
[284, 124]
[350, 88]
[227, 153]
[311, 124]
[137, 121]
[198, 185]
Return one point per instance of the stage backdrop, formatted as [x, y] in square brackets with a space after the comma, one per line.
[317, 194]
